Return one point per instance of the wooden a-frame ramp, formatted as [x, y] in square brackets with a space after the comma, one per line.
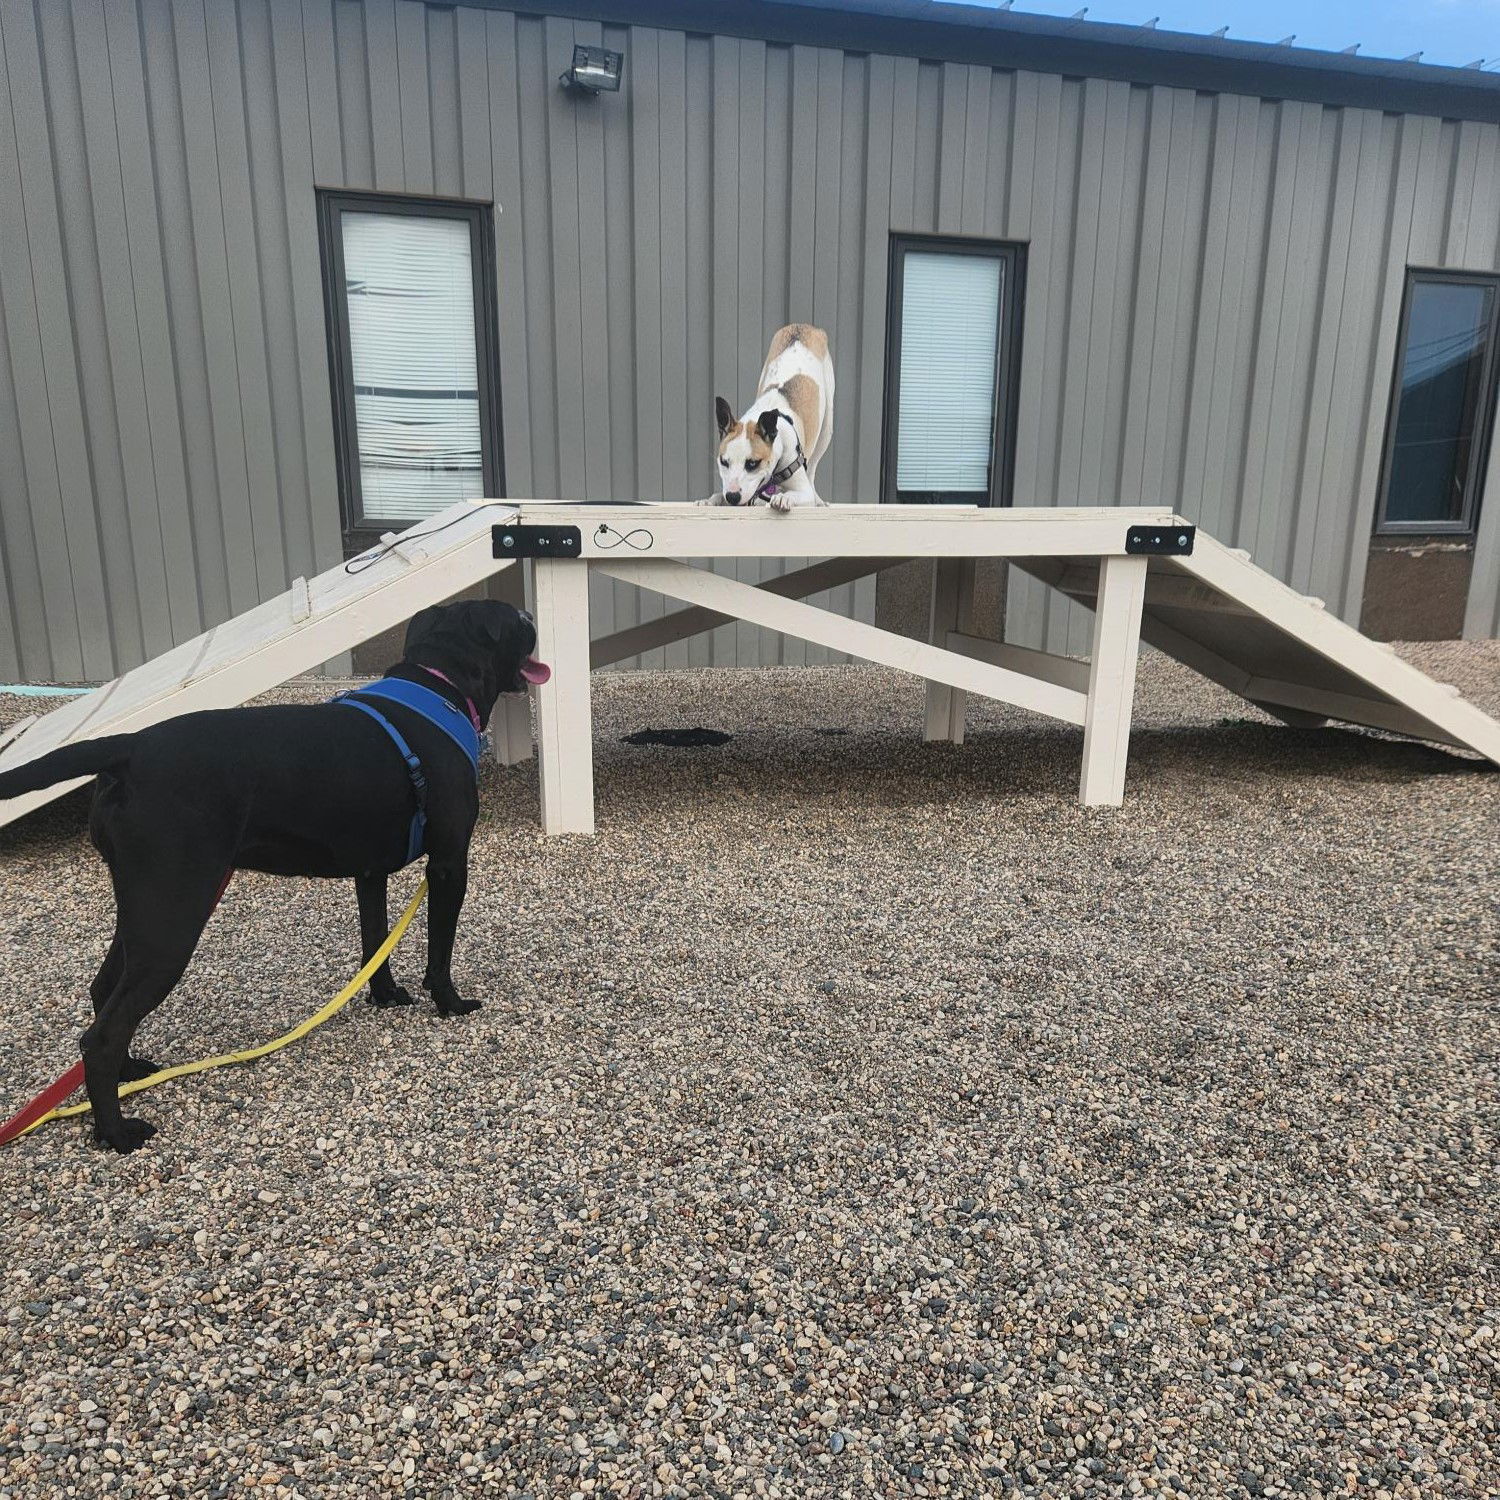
[1145, 572]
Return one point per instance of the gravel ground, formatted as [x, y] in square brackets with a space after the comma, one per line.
[850, 1118]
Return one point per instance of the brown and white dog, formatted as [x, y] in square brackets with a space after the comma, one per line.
[770, 455]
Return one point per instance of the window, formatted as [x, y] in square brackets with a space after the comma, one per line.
[952, 359]
[1443, 405]
[410, 290]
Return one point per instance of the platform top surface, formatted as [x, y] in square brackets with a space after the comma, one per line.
[681, 529]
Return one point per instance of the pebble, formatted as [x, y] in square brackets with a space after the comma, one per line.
[872, 1120]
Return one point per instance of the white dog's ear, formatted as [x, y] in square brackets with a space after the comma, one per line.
[725, 414]
[767, 423]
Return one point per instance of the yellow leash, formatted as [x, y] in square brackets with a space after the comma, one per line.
[250, 1054]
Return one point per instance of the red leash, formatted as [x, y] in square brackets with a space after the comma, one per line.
[44, 1103]
[54, 1094]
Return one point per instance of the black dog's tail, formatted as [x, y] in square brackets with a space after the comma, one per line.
[86, 758]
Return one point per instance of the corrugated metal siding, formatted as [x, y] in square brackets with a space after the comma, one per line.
[1213, 287]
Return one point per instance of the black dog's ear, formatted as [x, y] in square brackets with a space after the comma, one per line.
[725, 413]
[767, 421]
[420, 623]
[498, 620]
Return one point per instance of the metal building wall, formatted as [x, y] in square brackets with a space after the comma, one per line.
[1211, 314]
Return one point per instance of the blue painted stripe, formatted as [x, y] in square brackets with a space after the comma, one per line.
[26, 690]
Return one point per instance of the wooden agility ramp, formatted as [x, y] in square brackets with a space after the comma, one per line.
[1145, 572]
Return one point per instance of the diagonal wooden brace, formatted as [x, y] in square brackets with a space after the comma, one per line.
[936, 664]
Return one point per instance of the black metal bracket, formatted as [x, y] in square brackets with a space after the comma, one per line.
[1160, 541]
[537, 541]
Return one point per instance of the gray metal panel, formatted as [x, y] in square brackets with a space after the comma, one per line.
[322, 90]
[249, 292]
[382, 98]
[698, 277]
[510, 250]
[645, 148]
[536, 295]
[733, 257]
[210, 291]
[177, 364]
[415, 98]
[142, 186]
[869, 313]
[274, 127]
[80, 282]
[45, 373]
[444, 66]
[358, 126]
[119, 428]
[680, 419]
[1483, 615]
[25, 649]
[23, 636]
[741, 641]
[319, 540]
[1213, 293]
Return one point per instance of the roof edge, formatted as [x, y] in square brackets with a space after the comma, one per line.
[943, 32]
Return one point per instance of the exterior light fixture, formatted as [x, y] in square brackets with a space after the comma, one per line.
[595, 70]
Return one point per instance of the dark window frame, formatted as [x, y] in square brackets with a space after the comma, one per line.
[1008, 333]
[1489, 399]
[360, 529]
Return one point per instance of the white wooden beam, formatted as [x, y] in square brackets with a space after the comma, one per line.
[683, 623]
[1117, 641]
[510, 722]
[1065, 671]
[945, 605]
[694, 586]
[564, 708]
[848, 530]
[1374, 713]
[13, 732]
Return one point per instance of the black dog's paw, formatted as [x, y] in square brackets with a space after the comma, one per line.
[393, 996]
[134, 1068]
[131, 1135]
[454, 1004]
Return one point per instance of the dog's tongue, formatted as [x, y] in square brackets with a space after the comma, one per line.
[535, 672]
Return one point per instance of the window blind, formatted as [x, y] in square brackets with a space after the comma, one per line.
[950, 319]
[410, 290]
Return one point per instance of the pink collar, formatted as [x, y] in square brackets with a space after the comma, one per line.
[468, 702]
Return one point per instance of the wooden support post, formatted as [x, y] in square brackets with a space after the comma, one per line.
[564, 708]
[1117, 644]
[952, 610]
[510, 722]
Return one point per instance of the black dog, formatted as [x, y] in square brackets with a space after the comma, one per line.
[317, 790]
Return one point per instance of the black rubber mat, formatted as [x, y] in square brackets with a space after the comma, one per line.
[679, 739]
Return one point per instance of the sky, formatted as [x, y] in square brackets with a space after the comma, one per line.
[1444, 31]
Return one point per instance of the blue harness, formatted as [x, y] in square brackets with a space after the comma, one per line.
[438, 712]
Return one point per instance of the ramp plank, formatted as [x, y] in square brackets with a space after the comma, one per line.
[282, 638]
[1216, 612]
